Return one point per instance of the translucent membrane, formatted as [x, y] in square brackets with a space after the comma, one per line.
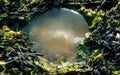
[56, 33]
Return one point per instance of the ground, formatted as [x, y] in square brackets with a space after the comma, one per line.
[99, 52]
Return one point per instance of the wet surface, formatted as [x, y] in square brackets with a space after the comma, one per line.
[56, 33]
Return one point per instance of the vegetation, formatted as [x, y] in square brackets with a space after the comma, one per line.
[102, 44]
[99, 53]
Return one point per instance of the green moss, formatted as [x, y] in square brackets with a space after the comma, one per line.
[2, 67]
[81, 52]
[89, 14]
[9, 48]
[116, 72]
[94, 22]
[34, 2]
[11, 40]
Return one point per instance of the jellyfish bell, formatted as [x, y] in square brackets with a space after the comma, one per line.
[56, 32]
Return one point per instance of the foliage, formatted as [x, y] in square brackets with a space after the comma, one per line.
[17, 13]
[100, 51]
[103, 42]
[16, 56]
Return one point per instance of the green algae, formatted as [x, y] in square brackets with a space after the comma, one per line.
[96, 60]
